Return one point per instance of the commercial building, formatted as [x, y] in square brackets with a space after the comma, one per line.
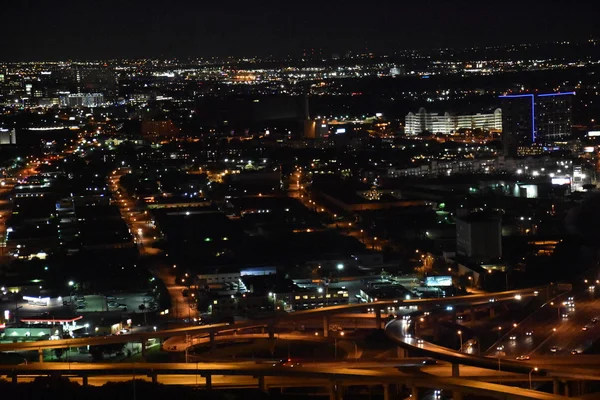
[309, 299]
[479, 236]
[159, 129]
[529, 120]
[82, 100]
[8, 136]
[447, 123]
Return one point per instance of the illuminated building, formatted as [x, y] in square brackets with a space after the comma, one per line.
[553, 113]
[446, 124]
[529, 119]
[156, 130]
[82, 100]
[8, 136]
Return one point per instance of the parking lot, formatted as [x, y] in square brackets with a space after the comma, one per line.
[124, 302]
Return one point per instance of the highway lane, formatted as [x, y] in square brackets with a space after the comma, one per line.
[346, 376]
[218, 381]
[549, 329]
[396, 331]
[180, 343]
[513, 295]
[299, 315]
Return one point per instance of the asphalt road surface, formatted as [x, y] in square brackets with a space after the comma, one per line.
[549, 328]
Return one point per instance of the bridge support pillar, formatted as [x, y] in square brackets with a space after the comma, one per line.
[415, 392]
[154, 378]
[378, 318]
[456, 395]
[326, 326]
[335, 391]
[472, 316]
[41, 355]
[271, 329]
[567, 389]
[262, 386]
[401, 352]
[143, 348]
[555, 386]
[208, 382]
[436, 332]
[455, 370]
[14, 379]
[213, 344]
[582, 388]
[387, 392]
[492, 312]
[84, 381]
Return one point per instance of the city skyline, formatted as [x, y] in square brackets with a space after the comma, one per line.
[187, 29]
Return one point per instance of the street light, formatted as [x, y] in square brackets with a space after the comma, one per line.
[531, 372]
[461, 342]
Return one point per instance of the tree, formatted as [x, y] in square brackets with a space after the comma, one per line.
[98, 352]
[59, 353]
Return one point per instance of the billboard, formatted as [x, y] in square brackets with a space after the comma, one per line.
[438, 281]
[37, 301]
[561, 181]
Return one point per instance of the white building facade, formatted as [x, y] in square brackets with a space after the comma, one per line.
[422, 121]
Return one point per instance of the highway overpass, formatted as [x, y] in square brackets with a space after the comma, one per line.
[324, 313]
[335, 377]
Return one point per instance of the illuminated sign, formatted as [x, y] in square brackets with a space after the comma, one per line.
[593, 133]
[588, 149]
[561, 181]
[37, 301]
[438, 281]
[340, 130]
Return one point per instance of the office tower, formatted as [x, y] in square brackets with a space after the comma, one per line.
[553, 112]
[82, 100]
[529, 119]
[8, 136]
[479, 236]
[518, 122]
[447, 123]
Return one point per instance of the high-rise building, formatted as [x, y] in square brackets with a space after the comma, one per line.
[82, 100]
[479, 236]
[553, 113]
[8, 136]
[447, 123]
[529, 119]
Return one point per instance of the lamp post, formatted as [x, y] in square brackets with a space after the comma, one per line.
[355, 351]
[461, 342]
[335, 345]
[71, 285]
[531, 372]
[557, 309]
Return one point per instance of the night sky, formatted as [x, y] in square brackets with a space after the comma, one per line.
[96, 29]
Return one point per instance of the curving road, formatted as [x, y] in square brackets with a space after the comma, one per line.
[304, 376]
[475, 299]
[396, 331]
[549, 328]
